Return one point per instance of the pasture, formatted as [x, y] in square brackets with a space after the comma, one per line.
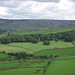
[9, 49]
[23, 71]
[64, 51]
[47, 31]
[61, 67]
[39, 46]
[3, 55]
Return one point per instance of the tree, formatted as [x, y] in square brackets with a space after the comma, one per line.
[34, 41]
[56, 40]
[68, 39]
[46, 42]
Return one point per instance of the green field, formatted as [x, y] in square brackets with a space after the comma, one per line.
[41, 31]
[9, 49]
[47, 31]
[61, 67]
[74, 43]
[23, 71]
[3, 55]
[30, 48]
[39, 46]
[67, 57]
[7, 65]
[56, 52]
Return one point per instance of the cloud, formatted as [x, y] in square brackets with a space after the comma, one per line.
[38, 9]
[72, 0]
[33, 0]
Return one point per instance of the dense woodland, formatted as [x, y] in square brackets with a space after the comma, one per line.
[68, 36]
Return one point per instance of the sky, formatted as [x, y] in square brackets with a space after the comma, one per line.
[37, 9]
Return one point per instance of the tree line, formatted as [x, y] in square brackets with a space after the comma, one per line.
[68, 36]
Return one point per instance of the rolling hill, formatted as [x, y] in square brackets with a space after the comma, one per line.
[25, 25]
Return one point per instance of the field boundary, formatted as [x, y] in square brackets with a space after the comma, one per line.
[53, 49]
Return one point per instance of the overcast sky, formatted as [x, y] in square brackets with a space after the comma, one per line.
[37, 9]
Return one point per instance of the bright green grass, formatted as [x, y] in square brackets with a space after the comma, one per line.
[47, 31]
[61, 67]
[56, 52]
[74, 43]
[33, 64]
[23, 71]
[3, 55]
[67, 57]
[8, 65]
[9, 49]
[39, 46]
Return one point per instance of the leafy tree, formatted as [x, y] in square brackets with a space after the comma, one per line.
[34, 41]
[56, 40]
[46, 42]
[68, 39]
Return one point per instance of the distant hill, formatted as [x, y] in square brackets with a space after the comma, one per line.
[24, 25]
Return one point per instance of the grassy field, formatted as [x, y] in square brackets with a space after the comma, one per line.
[3, 55]
[67, 57]
[30, 48]
[7, 65]
[73, 43]
[9, 49]
[61, 67]
[23, 71]
[56, 52]
[47, 31]
[39, 46]
[41, 31]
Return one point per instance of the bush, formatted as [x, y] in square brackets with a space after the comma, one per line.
[46, 42]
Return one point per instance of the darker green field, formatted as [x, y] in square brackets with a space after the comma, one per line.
[64, 51]
[3, 55]
[46, 31]
[62, 67]
[23, 71]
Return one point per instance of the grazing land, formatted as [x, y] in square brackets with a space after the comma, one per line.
[39, 46]
[23, 71]
[9, 49]
[46, 31]
[62, 67]
[64, 51]
[38, 52]
[3, 55]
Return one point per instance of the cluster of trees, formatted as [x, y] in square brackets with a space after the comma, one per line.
[2, 31]
[23, 55]
[68, 36]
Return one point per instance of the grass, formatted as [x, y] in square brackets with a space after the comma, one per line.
[39, 46]
[23, 71]
[47, 31]
[56, 52]
[40, 31]
[8, 65]
[33, 64]
[73, 43]
[61, 67]
[9, 49]
[3, 55]
[67, 57]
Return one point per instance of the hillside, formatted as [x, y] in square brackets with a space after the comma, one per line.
[23, 25]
